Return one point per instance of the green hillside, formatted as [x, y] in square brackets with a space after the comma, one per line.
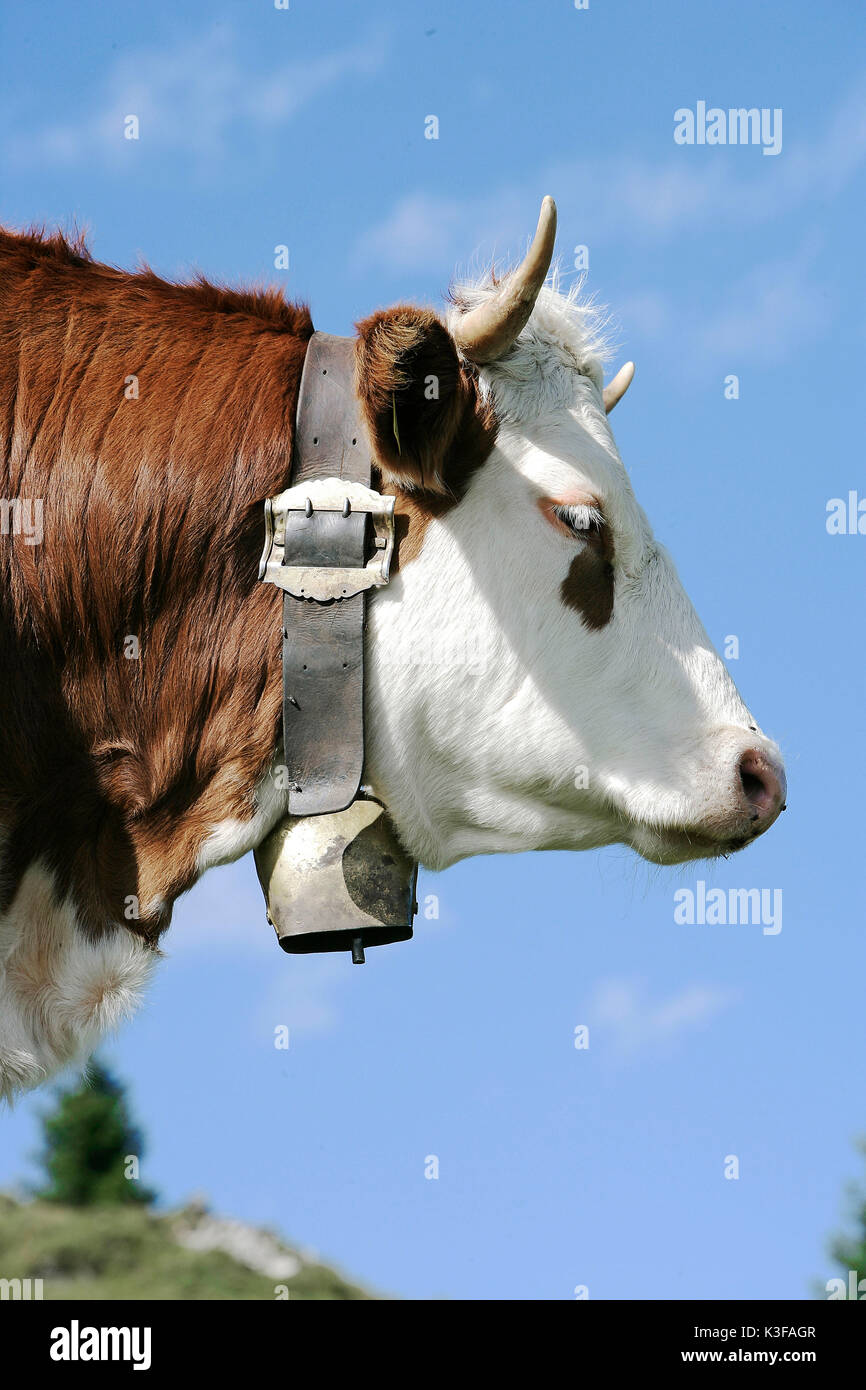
[128, 1252]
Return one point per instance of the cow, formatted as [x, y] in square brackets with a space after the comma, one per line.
[143, 423]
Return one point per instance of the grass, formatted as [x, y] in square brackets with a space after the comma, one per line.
[129, 1253]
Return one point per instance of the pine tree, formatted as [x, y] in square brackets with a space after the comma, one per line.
[849, 1251]
[89, 1142]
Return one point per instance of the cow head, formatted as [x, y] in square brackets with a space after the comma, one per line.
[538, 678]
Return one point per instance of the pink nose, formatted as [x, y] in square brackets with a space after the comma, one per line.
[764, 787]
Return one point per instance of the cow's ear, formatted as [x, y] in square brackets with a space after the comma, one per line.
[427, 422]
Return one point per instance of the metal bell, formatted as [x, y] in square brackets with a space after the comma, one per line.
[338, 882]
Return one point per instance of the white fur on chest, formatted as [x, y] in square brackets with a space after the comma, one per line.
[59, 991]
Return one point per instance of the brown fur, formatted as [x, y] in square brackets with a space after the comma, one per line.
[428, 442]
[113, 770]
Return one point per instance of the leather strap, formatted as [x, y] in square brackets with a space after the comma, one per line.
[323, 643]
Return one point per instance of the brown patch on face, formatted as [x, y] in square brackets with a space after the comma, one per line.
[589, 585]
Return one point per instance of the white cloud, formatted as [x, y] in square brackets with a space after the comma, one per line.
[418, 231]
[188, 98]
[424, 229]
[648, 313]
[775, 308]
[615, 199]
[303, 994]
[224, 913]
[621, 1011]
[762, 318]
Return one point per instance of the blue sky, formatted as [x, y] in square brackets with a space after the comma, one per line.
[558, 1167]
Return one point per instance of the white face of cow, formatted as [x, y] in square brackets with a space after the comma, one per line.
[538, 676]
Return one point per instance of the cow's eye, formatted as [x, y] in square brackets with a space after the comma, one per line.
[580, 518]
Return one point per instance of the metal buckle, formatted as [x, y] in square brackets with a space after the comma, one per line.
[318, 581]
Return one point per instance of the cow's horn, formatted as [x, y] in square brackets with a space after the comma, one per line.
[616, 389]
[486, 332]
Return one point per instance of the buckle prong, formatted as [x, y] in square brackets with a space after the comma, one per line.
[321, 582]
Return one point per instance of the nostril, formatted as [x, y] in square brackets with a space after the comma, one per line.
[763, 784]
[754, 788]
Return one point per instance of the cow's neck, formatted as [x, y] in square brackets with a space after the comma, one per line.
[141, 657]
